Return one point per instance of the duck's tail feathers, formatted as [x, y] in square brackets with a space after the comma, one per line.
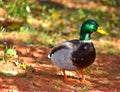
[49, 55]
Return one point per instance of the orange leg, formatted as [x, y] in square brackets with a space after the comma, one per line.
[67, 79]
[65, 76]
[83, 76]
[83, 81]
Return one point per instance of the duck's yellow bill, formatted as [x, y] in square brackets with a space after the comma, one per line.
[101, 31]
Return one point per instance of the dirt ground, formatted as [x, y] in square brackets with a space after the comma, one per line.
[103, 74]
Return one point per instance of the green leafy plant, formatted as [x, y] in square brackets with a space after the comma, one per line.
[1, 3]
[10, 54]
[20, 8]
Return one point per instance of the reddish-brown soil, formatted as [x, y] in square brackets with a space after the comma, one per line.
[104, 75]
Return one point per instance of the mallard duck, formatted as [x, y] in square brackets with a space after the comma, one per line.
[78, 54]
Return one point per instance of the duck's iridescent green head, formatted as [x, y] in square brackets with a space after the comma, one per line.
[88, 27]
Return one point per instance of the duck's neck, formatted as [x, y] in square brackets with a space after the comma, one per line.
[85, 37]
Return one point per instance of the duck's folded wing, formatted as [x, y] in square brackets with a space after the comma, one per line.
[65, 45]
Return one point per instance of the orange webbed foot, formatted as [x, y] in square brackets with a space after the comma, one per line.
[68, 80]
[83, 81]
